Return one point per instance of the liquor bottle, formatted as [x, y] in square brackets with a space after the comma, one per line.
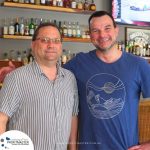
[31, 27]
[30, 56]
[16, 25]
[60, 28]
[66, 3]
[25, 58]
[64, 29]
[42, 2]
[86, 5]
[15, 1]
[19, 56]
[73, 4]
[21, 1]
[64, 57]
[48, 2]
[21, 26]
[69, 30]
[26, 29]
[11, 28]
[6, 56]
[92, 6]
[54, 2]
[60, 3]
[74, 31]
[80, 5]
[78, 30]
[32, 1]
[5, 27]
[27, 1]
[37, 2]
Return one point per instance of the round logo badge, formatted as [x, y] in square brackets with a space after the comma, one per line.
[15, 140]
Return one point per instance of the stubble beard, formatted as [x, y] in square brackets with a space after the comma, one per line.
[105, 50]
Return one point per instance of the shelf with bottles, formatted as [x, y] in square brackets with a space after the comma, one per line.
[50, 8]
[65, 39]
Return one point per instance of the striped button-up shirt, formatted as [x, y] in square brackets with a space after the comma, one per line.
[41, 108]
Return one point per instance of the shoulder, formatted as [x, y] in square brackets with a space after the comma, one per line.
[135, 59]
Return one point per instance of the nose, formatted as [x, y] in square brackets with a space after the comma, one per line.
[50, 44]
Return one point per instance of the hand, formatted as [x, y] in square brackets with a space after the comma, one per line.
[144, 146]
[5, 70]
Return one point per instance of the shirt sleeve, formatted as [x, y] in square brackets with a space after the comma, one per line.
[76, 99]
[9, 99]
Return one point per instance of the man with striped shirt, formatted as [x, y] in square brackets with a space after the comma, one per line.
[41, 98]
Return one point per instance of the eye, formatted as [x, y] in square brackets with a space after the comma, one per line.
[94, 31]
[57, 40]
[44, 40]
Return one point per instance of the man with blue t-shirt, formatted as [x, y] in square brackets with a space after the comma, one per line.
[109, 82]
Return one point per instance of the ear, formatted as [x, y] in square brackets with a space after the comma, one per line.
[117, 30]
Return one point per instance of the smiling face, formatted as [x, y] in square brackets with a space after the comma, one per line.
[103, 33]
[47, 47]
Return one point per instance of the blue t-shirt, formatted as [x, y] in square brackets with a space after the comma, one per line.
[109, 96]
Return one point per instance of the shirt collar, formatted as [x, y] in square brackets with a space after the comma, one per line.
[38, 70]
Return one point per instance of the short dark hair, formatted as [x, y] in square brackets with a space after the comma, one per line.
[100, 14]
[44, 25]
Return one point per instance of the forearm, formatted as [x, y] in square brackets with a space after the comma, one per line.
[3, 122]
[72, 145]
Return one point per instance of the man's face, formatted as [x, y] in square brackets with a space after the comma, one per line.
[47, 47]
[103, 33]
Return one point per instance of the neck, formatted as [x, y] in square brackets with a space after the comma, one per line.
[49, 69]
[109, 56]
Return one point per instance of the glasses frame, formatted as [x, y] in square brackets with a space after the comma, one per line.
[46, 40]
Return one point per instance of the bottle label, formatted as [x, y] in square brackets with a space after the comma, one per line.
[11, 30]
[31, 31]
[5, 30]
[73, 5]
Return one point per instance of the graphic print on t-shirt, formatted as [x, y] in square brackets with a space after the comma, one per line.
[105, 95]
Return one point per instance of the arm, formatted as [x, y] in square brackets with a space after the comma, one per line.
[3, 122]
[74, 133]
[143, 146]
[5, 70]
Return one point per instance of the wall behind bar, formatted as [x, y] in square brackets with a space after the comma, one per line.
[21, 45]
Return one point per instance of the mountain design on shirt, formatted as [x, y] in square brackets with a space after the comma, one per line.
[105, 95]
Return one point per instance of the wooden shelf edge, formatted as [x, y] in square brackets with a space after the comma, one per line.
[42, 7]
[19, 37]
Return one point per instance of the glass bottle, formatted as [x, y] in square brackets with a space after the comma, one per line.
[42, 2]
[21, 26]
[86, 5]
[60, 28]
[66, 3]
[5, 27]
[31, 27]
[73, 4]
[74, 32]
[80, 5]
[26, 29]
[69, 30]
[16, 25]
[25, 58]
[32, 1]
[92, 6]
[64, 29]
[19, 56]
[11, 28]
[78, 30]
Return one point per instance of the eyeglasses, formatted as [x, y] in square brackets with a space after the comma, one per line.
[47, 40]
